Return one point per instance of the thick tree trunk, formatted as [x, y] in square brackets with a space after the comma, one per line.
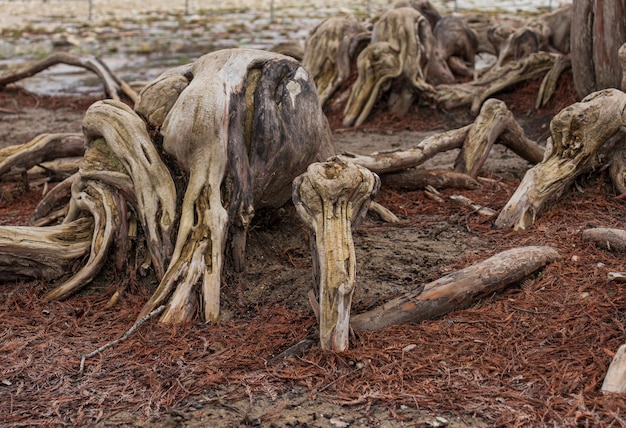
[598, 31]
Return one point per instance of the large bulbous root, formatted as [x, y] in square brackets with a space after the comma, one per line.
[244, 123]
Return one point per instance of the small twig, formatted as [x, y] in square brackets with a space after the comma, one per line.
[126, 335]
[530, 311]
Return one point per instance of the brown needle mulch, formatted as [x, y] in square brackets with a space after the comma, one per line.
[535, 354]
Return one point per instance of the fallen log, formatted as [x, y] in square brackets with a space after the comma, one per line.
[458, 289]
[391, 161]
[607, 238]
[495, 123]
[45, 147]
[414, 178]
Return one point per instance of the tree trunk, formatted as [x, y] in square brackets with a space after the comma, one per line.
[598, 31]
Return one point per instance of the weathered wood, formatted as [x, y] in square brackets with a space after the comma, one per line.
[329, 51]
[34, 252]
[621, 53]
[332, 198]
[549, 32]
[474, 93]
[401, 42]
[600, 31]
[45, 147]
[494, 122]
[548, 84]
[607, 238]
[458, 289]
[109, 212]
[454, 50]
[578, 132]
[396, 160]
[617, 159]
[615, 379]
[466, 202]
[241, 124]
[415, 178]
[56, 199]
[118, 143]
[113, 85]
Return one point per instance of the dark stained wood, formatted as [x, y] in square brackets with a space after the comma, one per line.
[598, 31]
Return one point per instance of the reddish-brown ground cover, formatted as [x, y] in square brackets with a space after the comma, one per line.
[533, 355]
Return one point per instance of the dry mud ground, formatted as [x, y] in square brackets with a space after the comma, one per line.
[532, 355]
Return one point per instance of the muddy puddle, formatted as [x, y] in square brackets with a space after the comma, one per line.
[141, 50]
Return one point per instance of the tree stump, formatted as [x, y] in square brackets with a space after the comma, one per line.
[332, 198]
[225, 135]
[578, 132]
[329, 51]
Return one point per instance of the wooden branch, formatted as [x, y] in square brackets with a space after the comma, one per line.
[385, 214]
[107, 210]
[58, 196]
[113, 85]
[45, 147]
[548, 84]
[392, 161]
[466, 202]
[610, 239]
[474, 93]
[36, 252]
[458, 289]
[415, 178]
[494, 123]
[125, 336]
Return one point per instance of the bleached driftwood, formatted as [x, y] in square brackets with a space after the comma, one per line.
[578, 132]
[495, 123]
[237, 127]
[332, 198]
[113, 85]
[474, 93]
[401, 42]
[329, 51]
[45, 147]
